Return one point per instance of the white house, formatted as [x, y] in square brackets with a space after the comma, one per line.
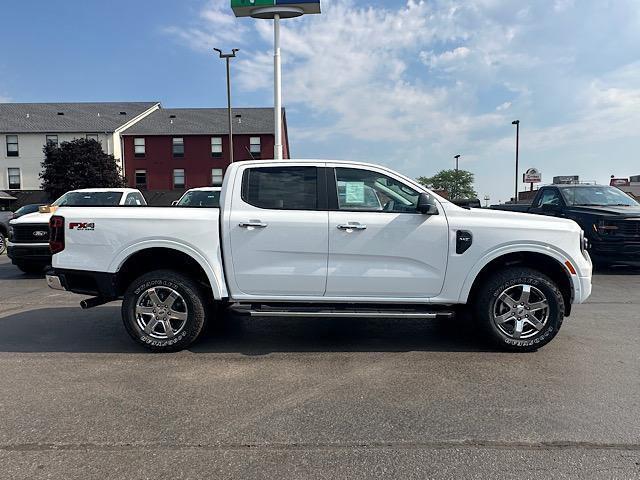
[26, 127]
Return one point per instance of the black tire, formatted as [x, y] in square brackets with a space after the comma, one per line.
[193, 300]
[30, 268]
[3, 243]
[511, 280]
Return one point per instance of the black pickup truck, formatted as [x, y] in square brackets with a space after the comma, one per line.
[609, 217]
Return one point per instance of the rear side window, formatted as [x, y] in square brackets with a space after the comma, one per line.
[281, 188]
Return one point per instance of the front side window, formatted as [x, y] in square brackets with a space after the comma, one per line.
[254, 147]
[14, 178]
[281, 188]
[216, 177]
[141, 179]
[12, 145]
[52, 139]
[549, 197]
[134, 199]
[138, 147]
[178, 147]
[178, 178]
[365, 190]
[216, 147]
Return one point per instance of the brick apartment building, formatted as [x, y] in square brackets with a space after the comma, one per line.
[180, 148]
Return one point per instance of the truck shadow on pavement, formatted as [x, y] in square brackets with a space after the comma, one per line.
[70, 329]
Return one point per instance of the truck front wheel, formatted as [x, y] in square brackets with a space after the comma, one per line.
[164, 311]
[520, 309]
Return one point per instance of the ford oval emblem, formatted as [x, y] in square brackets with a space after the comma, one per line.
[39, 233]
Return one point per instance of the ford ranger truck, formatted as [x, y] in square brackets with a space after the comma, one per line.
[322, 239]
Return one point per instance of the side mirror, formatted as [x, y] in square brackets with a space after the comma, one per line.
[547, 207]
[174, 203]
[426, 205]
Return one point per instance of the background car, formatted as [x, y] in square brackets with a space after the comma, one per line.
[200, 197]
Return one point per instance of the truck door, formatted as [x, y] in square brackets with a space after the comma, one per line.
[278, 227]
[379, 244]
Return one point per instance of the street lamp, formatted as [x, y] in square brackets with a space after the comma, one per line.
[517, 124]
[457, 157]
[227, 56]
[275, 10]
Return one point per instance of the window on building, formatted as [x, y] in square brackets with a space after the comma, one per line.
[92, 136]
[12, 145]
[138, 147]
[178, 147]
[178, 178]
[14, 178]
[53, 139]
[141, 179]
[281, 188]
[254, 146]
[216, 147]
[216, 177]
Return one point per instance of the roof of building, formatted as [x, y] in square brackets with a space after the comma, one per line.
[68, 117]
[203, 121]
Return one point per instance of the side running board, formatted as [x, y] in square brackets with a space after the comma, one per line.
[312, 312]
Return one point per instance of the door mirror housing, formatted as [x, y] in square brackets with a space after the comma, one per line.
[548, 207]
[174, 203]
[426, 205]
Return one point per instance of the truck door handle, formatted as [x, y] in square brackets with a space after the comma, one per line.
[252, 223]
[352, 226]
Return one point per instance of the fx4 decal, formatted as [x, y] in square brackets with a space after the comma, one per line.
[82, 226]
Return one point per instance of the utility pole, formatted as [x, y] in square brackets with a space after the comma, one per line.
[517, 124]
[228, 56]
[457, 157]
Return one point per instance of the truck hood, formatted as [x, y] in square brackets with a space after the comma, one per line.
[484, 217]
[32, 218]
[608, 211]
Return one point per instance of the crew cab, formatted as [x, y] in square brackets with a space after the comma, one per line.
[28, 245]
[609, 217]
[320, 239]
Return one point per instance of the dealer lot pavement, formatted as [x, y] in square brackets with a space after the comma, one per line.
[324, 398]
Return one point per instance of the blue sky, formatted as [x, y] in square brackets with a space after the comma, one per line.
[406, 84]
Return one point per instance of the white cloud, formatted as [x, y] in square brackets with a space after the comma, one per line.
[429, 79]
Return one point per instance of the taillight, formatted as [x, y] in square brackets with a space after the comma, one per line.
[56, 234]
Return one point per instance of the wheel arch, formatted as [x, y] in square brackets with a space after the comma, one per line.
[543, 262]
[172, 257]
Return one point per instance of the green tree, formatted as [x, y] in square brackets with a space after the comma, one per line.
[77, 164]
[458, 183]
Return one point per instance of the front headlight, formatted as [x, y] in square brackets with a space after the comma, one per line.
[10, 234]
[584, 242]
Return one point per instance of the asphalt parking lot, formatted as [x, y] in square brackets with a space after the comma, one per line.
[315, 398]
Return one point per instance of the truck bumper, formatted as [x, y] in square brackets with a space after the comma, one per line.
[29, 252]
[99, 284]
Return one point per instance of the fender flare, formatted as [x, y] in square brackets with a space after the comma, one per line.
[217, 287]
[556, 254]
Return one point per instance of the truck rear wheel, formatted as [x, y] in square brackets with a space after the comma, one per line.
[520, 309]
[164, 311]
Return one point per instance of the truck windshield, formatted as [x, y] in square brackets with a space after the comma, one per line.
[200, 198]
[83, 199]
[597, 196]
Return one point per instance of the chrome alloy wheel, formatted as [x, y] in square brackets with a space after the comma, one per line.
[161, 312]
[521, 311]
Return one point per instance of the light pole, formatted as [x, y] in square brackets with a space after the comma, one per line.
[227, 56]
[457, 157]
[277, 10]
[517, 124]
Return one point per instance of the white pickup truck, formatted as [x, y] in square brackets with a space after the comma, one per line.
[317, 239]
